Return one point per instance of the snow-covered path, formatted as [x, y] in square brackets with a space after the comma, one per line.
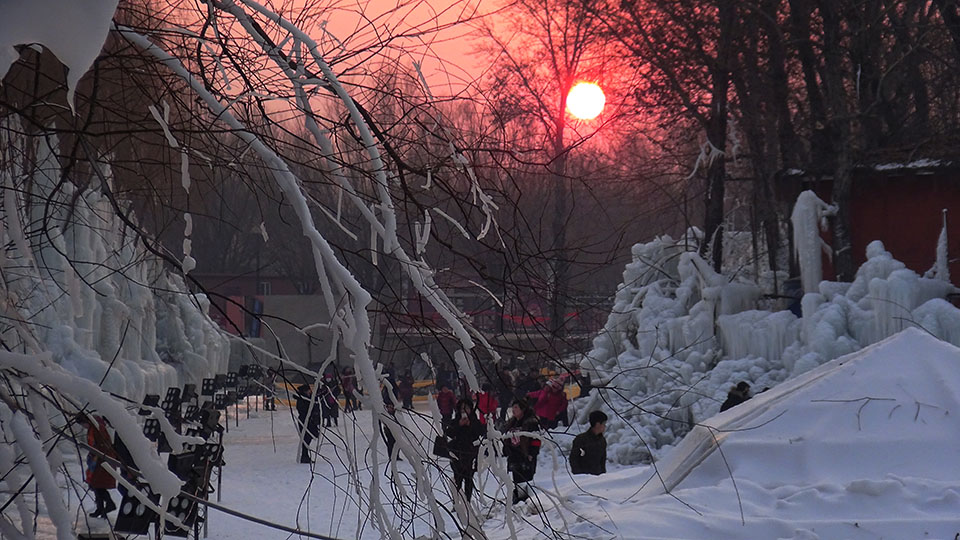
[263, 478]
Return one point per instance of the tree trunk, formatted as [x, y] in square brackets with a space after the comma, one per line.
[717, 135]
[951, 18]
[820, 151]
[558, 169]
[841, 139]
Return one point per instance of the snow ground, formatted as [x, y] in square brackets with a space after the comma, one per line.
[262, 478]
[805, 460]
[863, 447]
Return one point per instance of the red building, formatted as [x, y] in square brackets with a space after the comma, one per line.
[236, 298]
[900, 204]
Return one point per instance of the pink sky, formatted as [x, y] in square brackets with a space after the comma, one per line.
[444, 53]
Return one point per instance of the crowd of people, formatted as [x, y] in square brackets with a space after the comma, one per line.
[521, 405]
[520, 408]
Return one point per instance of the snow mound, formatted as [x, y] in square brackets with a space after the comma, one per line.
[885, 409]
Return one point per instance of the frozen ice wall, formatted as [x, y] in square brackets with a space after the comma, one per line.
[680, 335]
[84, 288]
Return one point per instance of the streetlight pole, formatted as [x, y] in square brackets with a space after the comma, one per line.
[558, 170]
[586, 101]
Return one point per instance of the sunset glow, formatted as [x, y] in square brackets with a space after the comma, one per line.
[585, 100]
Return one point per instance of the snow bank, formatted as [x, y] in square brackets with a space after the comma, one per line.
[680, 335]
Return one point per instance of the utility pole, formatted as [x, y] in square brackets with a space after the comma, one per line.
[560, 266]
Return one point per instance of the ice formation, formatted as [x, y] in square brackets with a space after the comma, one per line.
[680, 335]
[85, 290]
[808, 218]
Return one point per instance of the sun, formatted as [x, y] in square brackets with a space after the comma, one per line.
[585, 100]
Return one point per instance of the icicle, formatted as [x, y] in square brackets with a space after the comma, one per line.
[263, 232]
[164, 120]
[454, 222]
[941, 268]
[185, 170]
[11, 206]
[423, 233]
[15, 472]
[220, 67]
[808, 217]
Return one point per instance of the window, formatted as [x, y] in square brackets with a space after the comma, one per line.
[263, 288]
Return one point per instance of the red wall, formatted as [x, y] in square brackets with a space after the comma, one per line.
[904, 212]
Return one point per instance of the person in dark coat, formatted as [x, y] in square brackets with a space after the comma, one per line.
[348, 381]
[97, 477]
[588, 455]
[385, 431]
[463, 437]
[444, 377]
[530, 383]
[269, 395]
[521, 450]
[737, 395]
[329, 406]
[504, 388]
[405, 391]
[308, 420]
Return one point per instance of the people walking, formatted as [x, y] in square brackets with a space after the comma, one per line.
[405, 390]
[329, 393]
[521, 450]
[486, 403]
[463, 436]
[388, 437]
[529, 383]
[308, 421]
[504, 385]
[97, 477]
[270, 391]
[348, 381]
[588, 455]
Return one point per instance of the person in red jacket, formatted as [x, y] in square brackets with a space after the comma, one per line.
[446, 400]
[486, 403]
[97, 476]
[550, 402]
